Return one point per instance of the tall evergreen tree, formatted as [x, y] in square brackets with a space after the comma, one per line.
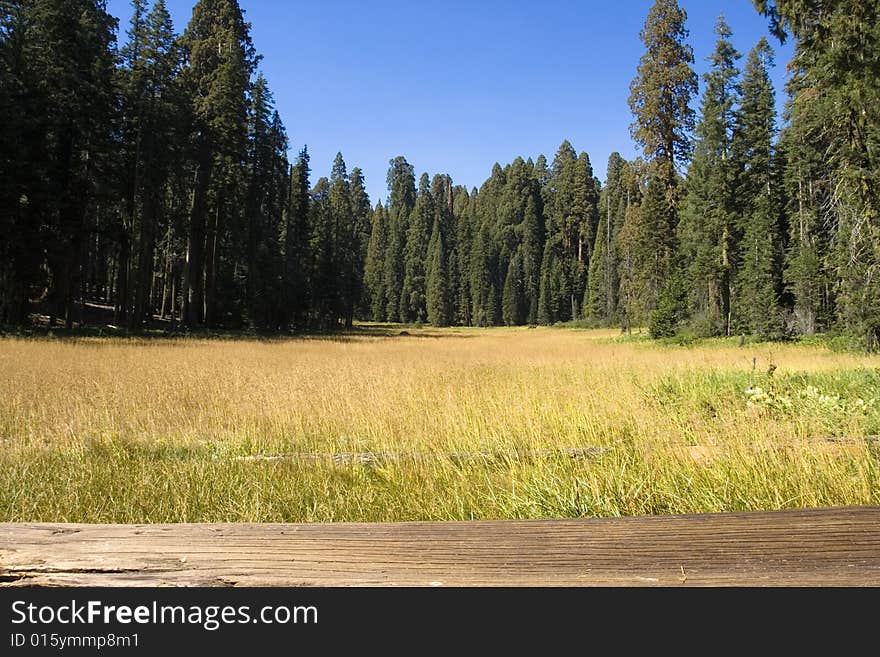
[325, 289]
[604, 281]
[532, 252]
[484, 309]
[460, 260]
[346, 254]
[69, 55]
[413, 306]
[596, 298]
[835, 103]
[402, 199]
[220, 60]
[361, 215]
[660, 94]
[157, 108]
[660, 101]
[296, 281]
[572, 202]
[513, 298]
[759, 284]
[374, 269]
[644, 267]
[437, 296]
[709, 233]
[264, 207]
[24, 194]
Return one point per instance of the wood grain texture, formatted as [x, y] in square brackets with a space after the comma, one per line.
[821, 547]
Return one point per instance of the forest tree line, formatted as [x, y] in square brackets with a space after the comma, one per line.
[153, 179]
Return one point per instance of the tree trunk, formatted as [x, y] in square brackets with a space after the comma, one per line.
[193, 284]
[725, 281]
[142, 306]
[121, 314]
[211, 263]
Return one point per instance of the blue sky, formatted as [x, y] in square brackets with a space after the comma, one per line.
[458, 86]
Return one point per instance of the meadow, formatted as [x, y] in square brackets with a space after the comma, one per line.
[452, 424]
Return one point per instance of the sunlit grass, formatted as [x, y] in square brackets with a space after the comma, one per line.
[118, 430]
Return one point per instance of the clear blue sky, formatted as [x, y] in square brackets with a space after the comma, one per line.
[458, 86]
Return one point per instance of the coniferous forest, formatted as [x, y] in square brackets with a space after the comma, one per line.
[153, 181]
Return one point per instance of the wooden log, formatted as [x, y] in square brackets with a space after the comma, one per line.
[819, 547]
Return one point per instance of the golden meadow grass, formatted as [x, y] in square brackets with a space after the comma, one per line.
[131, 431]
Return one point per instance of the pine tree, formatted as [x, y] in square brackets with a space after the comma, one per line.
[532, 251]
[513, 298]
[709, 232]
[277, 196]
[460, 260]
[361, 215]
[831, 148]
[413, 300]
[347, 251]
[265, 203]
[325, 289]
[604, 282]
[572, 201]
[596, 302]
[374, 269]
[220, 60]
[482, 286]
[257, 219]
[68, 58]
[661, 92]
[437, 290]
[24, 199]
[402, 199]
[809, 264]
[660, 101]
[159, 111]
[643, 268]
[836, 103]
[760, 278]
[296, 281]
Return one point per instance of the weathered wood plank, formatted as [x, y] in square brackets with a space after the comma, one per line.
[821, 547]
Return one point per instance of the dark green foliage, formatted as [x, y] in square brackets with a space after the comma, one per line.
[153, 119]
[603, 291]
[346, 251]
[514, 309]
[23, 187]
[661, 92]
[153, 182]
[709, 232]
[413, 300]
[532, 240]
[671, 304]
[374, 269]
[264, 209]
[58, 67]
[483, 292]
[597, 299]
[460, 259]
[833, 174]
[437, 295]
[326, 305]
[402, 188]
[361, 216]
[296, 280]
[758, 288]
[655, 242]
[572, 217]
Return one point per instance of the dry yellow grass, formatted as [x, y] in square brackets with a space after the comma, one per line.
[671, 415]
